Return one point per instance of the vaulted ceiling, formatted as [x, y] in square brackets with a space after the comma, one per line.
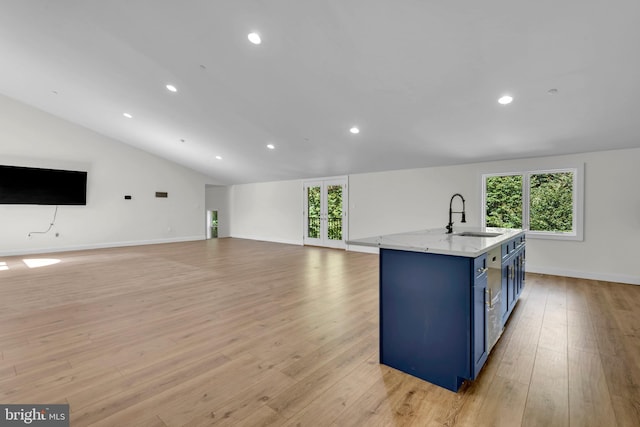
[420, 79]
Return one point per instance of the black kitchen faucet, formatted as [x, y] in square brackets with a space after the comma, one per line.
[450, 225]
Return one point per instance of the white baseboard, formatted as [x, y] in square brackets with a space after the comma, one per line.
[269, 239]
[45, 250]
[606, 277]
[364, 249]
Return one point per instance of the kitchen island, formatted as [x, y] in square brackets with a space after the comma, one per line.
[445, 298]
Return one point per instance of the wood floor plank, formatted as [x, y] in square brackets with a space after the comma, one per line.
[242, 405]
[504, 404]
[589, 398]
[65, 382]
[260, 384]
[263, 417]
[117, 394]
[7, 371]
[302, 366]
[518, 360]
[237, 332]
[374, 408]
[328, 406]
[627, 410]
[317, 381]
[476, 392]
[580, 333]
[548, 397]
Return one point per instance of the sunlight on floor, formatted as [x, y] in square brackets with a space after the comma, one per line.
[3, 266]
[42, 262]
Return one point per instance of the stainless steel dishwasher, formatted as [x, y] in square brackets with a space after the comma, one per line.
[494, 297]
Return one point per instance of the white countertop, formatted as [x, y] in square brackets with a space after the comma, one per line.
[438, 242]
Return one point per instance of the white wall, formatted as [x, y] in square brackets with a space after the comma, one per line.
[397, 201]
[269, 211]
[217, 199]
[30, 137]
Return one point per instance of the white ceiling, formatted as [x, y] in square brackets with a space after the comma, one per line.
[420, 78]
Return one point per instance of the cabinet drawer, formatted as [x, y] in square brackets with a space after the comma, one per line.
[480, 266]
[506, 250]
[510, 247]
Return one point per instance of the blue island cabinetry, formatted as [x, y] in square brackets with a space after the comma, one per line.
[434, 310]
[513, 271]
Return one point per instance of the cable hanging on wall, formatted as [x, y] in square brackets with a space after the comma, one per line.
[53, 221]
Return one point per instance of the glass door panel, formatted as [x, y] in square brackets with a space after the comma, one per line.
[334, 212]
[313, 194]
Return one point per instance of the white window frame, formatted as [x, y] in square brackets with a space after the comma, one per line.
[578, 202]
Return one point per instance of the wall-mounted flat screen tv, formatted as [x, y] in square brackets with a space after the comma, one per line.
[35, 186]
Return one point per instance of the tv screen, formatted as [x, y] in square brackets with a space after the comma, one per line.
[34, 186]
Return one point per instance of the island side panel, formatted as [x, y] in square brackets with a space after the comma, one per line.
[425, 309]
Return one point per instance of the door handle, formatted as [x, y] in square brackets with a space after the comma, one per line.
[490, 302]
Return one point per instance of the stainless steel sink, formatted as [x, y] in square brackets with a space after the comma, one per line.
[477, 234]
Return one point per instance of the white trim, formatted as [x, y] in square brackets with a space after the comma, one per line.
[19, 252]
[328, 178]
[297, 242]
[363, 249]
[605, 277]
[207, 226]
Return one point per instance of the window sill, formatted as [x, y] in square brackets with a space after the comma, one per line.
[553, 236]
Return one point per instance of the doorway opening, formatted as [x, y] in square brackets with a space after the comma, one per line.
[212, 224]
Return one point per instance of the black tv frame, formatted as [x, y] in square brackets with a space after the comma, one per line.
[21, 185]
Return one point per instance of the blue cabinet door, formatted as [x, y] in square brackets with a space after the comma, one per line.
[504, 301]
[512, 288]
[521, 270]
[513, 272]
[480, 345]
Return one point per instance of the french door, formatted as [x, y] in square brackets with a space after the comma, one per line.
[325, 216]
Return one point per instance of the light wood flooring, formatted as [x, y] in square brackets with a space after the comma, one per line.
[246, 333]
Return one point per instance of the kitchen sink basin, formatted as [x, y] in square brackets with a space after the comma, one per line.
[477, 234]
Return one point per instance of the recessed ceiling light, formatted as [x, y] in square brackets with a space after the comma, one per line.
[219, 157]
[506, 99]
[354, 130]
[171, 88]
[271, 146]
[127, 115]
[254, 38]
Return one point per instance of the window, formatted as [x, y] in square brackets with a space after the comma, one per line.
[546, 203]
